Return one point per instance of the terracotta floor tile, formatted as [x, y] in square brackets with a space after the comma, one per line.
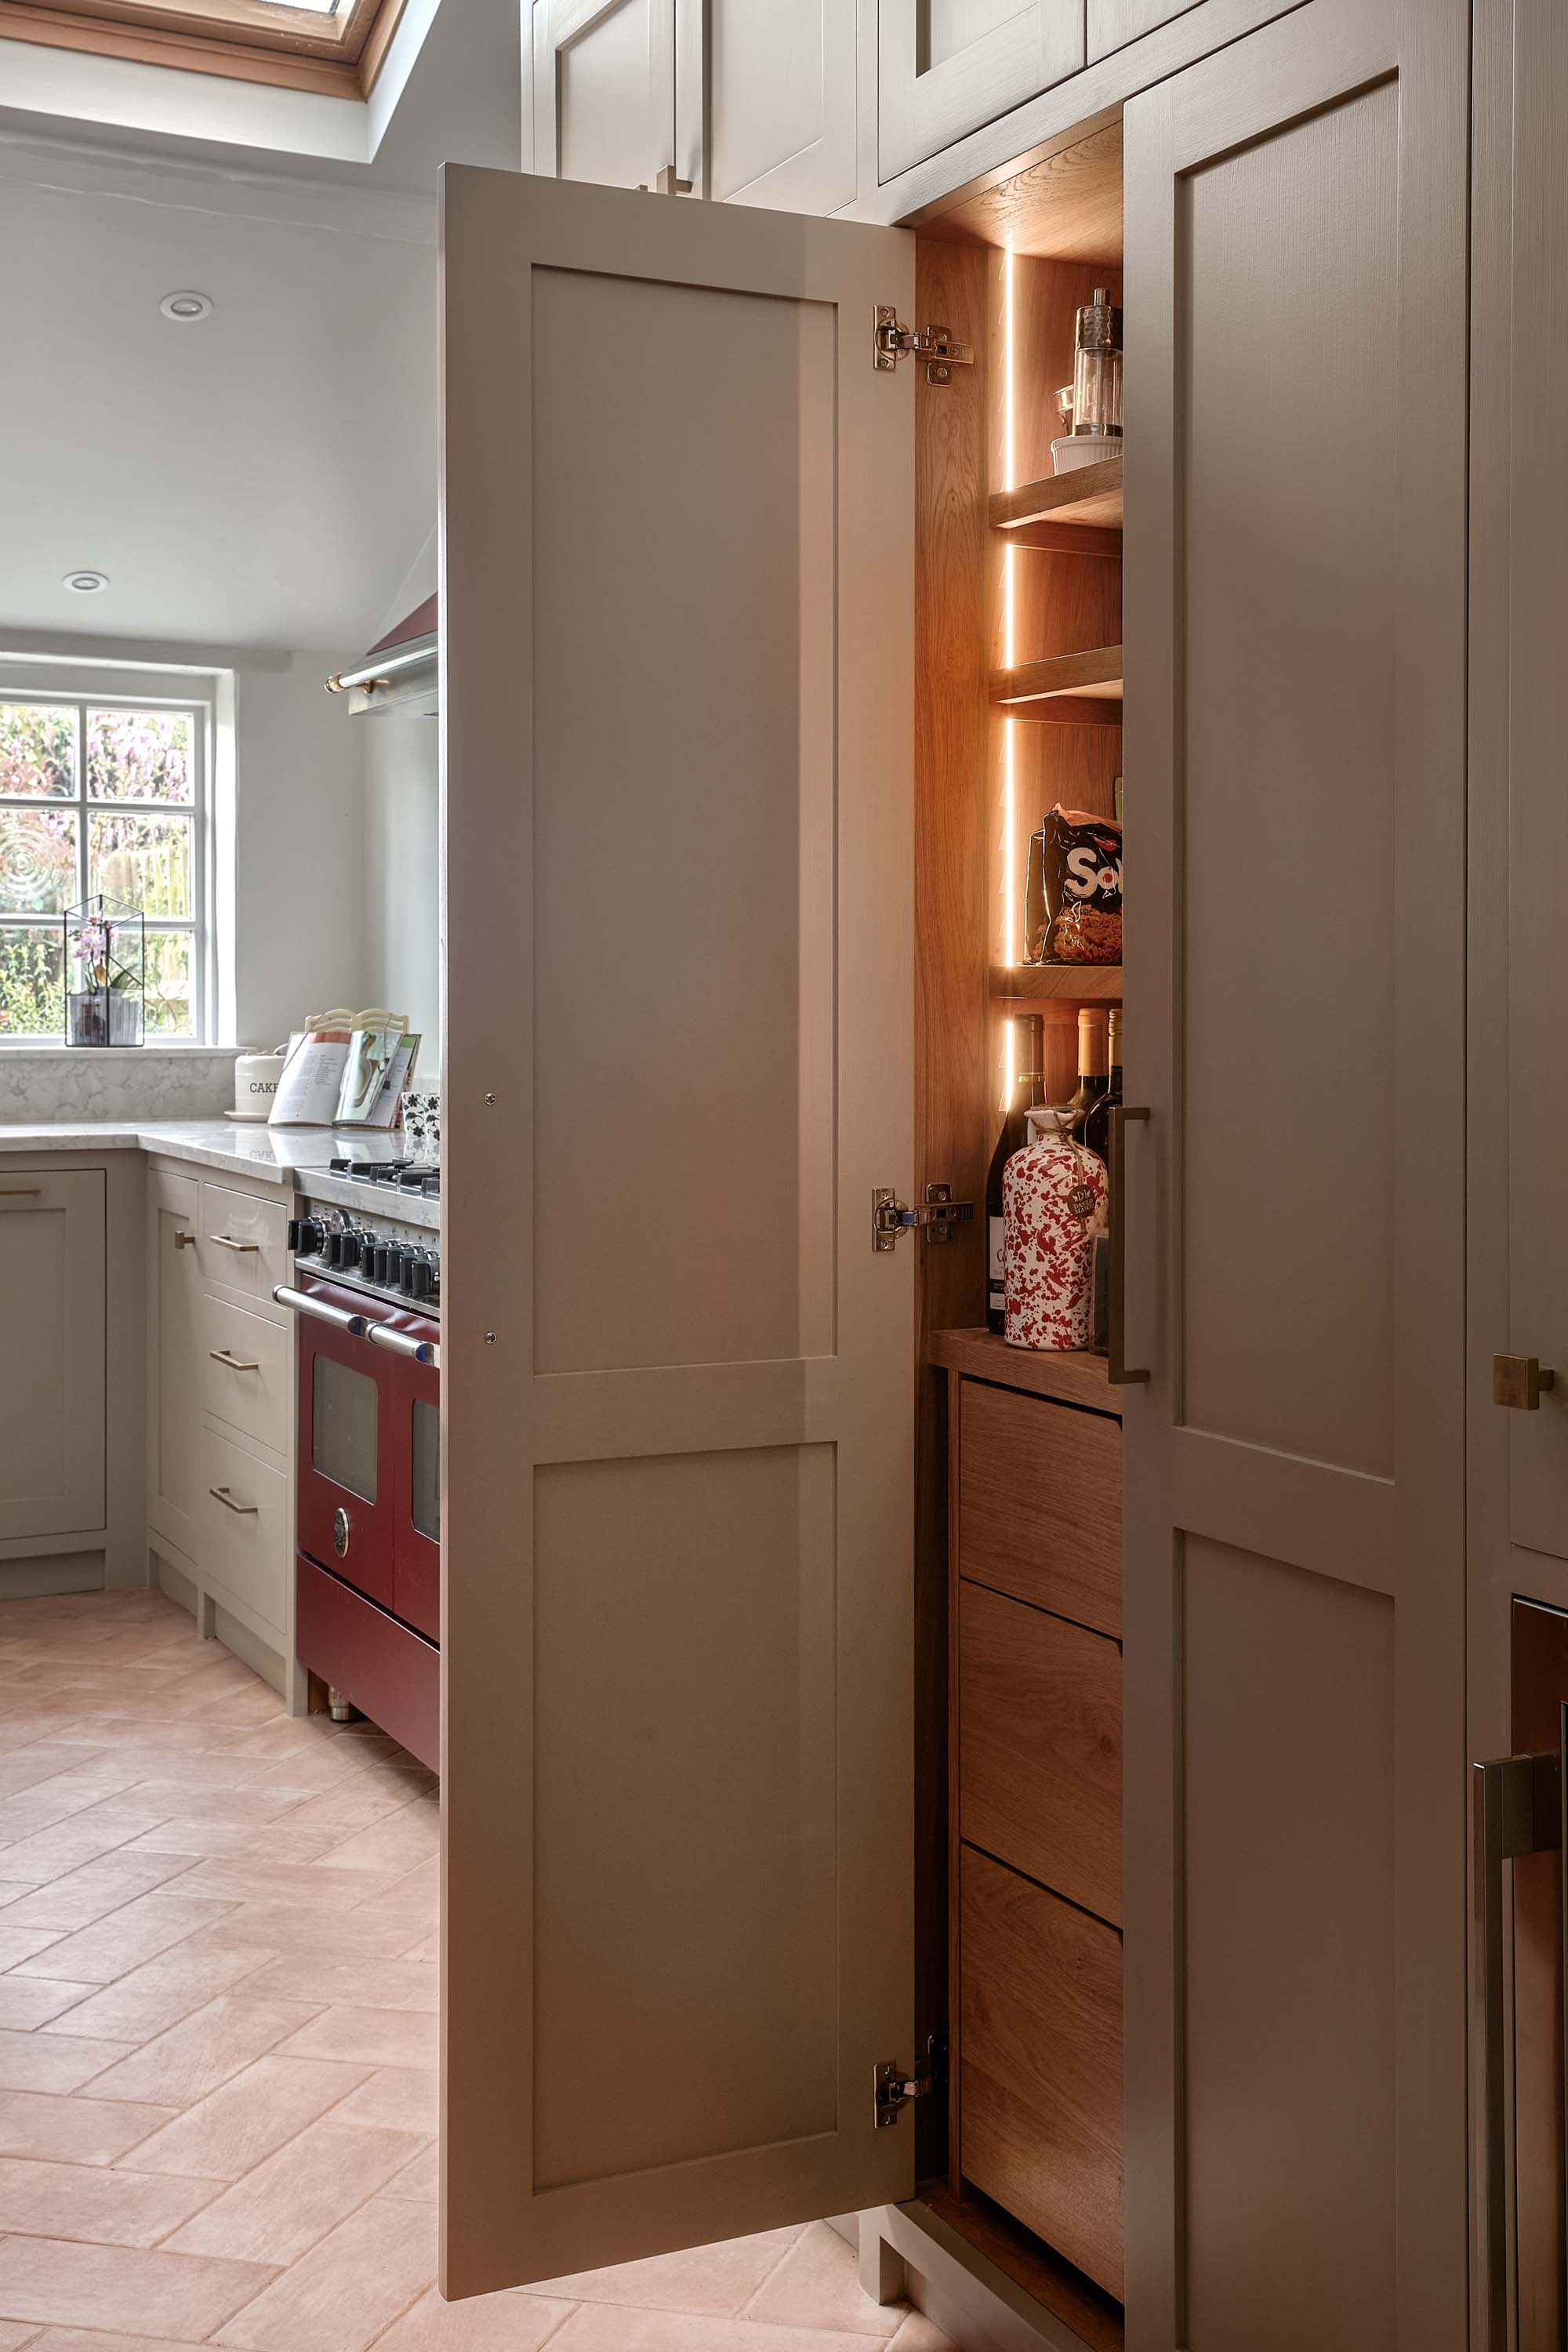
[21, 1943]
[79, 2130]
[29, 2001]
[920, 2334]
[83, 1838]
[121, 2287]
[106, 2204]
[717, 2279]
[240, 2125]
[53, 2062]
[420, 2181]
[380, 2037]
[364, 1984]
[428, 1952]
[111, 1946]
[12, 2335]
[817, 2284]
[54, 1800]
[403, 2097]
[608, 2328]
[416, 1888]
[167, 1801]
[258, 1879]
[196, 1840]
[20, 1726]
[333, 1933]
[282, 2207]
[90, 1892]
[25, 1767]
[363, 2275]
[352, 1802]
[151, 1998]
[204, 2049]
[399, 1842]
[90, 2339]
[486, 2323]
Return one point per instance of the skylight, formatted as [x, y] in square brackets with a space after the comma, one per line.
[332, 47]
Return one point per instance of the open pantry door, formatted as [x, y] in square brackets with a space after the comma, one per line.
[677, 632]
[1296, 1796]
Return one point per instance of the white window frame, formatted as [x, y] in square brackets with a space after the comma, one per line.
[198, 926]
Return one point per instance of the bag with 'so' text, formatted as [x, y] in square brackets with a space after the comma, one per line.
[1073, 896]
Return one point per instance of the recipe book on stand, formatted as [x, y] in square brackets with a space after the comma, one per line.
[345, 1069]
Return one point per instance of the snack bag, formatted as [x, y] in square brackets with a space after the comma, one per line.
[1073, 897]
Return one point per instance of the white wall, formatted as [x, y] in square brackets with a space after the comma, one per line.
[402, 852]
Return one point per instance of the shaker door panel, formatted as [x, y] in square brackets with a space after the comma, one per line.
[52, 1391]
[604, 90]
[174, 1312]
[677, 1410]
[945, 66]
[780, 84]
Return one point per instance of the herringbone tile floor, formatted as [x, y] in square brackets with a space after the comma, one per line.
[217, 2038]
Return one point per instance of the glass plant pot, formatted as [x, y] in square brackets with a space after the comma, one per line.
[103, 1016]
[106, 956]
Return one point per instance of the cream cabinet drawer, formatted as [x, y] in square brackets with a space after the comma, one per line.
[243, 1372]
[245, 1243]
[246, 1534]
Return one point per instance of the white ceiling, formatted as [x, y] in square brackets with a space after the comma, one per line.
[266, 477]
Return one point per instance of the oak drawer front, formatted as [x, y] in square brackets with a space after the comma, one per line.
[1040, 2063]
[247, 1542]
[1039, 1503]
[243, 1372]
[245, 1243]
[1039, 1718]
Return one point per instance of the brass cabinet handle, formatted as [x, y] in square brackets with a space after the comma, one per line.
[185, 1240]
[1519, 1381]
[222, 1241]
[241, 1510]
[1117, 1371]
[20, 1191]
[235, 1363]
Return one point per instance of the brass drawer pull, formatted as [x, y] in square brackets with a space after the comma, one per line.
[222, 1241]
[20, 1191]
[241, 1510]
[185, 1240]
[1520, 1383]
[235, 1363]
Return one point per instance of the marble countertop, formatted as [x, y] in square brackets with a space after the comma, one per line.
[296, 1157]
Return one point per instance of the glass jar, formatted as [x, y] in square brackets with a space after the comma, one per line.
[1096, 367]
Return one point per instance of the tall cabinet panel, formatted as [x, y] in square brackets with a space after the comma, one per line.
[52, 1262]
[1295, 639]
[604, 90]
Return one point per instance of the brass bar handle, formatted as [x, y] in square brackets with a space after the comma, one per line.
[241, 1510]
[222, 1241]
[185, 1240]
[1518, 1808]
[1117, 1371]
[235, 1363]
[20, 1191]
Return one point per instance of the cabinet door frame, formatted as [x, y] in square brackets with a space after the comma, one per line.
[820, 178]
[922, 111]
[556, 25]
[171, 1195]
[81, 1195]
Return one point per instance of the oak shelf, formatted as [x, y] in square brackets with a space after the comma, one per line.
[1080, 983]
[1068, 691]
[1069, 1375]
[1076, 513]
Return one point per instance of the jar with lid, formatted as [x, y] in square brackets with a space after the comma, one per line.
[1053, 1208]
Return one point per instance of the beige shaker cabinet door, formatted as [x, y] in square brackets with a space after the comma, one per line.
[676, 615]
[604, 91]
[174, 1310]
[1295, 1757]
[52, 1429]
[765, 102]
[945, 66]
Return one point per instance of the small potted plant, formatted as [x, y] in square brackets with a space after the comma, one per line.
[106, 958]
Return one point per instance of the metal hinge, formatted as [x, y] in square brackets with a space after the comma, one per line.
[892, 343]
[894, 2088]
[890, 1218]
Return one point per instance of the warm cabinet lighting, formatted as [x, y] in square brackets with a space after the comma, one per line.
[334, 47]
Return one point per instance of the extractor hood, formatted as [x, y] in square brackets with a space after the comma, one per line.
[402, 672]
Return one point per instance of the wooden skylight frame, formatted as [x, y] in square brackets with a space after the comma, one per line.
[336, 54]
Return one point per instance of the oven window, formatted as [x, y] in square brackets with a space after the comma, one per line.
[427, 1469]
[342, 1426]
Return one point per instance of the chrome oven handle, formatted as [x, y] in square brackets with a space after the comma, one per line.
[402, 1343]
[1518, 1809]
[303, 1304]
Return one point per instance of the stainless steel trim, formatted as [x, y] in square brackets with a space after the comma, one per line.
[223, 1241]
[402, 1343]
[374, 673]
[241, 1510]
[303, 1304]
[1117, 1370]
[1518, 1808]
[235, 1363]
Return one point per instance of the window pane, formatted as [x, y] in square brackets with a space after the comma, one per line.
[169, 1008]
[37, 749]
[38, 861]
[32, 1002]
[139, 755]
[144, 860]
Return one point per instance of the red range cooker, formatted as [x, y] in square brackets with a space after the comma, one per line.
[366, 1298]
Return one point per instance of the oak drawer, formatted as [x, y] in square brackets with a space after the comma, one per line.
[247, 1541]
[1039, 1720]
[243, 1371]
[244, 1245]
[1039, 1503]
[1040, 2063]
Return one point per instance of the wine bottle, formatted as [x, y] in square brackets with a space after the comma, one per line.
[1028, 1093]
[1093, 1055]
[1097, 1125]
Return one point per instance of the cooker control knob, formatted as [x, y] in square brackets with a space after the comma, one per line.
[352, 1242]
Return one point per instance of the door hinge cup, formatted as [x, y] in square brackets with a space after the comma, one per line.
[891, 342]
[893, 2087]
[936, 1219]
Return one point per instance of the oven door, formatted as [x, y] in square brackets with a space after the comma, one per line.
[347, 1508]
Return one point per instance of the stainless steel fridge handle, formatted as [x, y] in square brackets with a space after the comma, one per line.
[1518, 1808]
[303, 1304]
[402, 1343]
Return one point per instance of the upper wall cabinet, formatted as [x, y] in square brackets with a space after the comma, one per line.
[945, 66]
[765, 103]
[1113, 23]
[604, 91]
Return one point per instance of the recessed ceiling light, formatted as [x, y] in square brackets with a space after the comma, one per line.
[86, 583]
[186, 306]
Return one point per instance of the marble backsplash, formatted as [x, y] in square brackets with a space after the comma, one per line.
[106, 1082]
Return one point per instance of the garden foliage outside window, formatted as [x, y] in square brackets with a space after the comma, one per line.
[98, 794]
